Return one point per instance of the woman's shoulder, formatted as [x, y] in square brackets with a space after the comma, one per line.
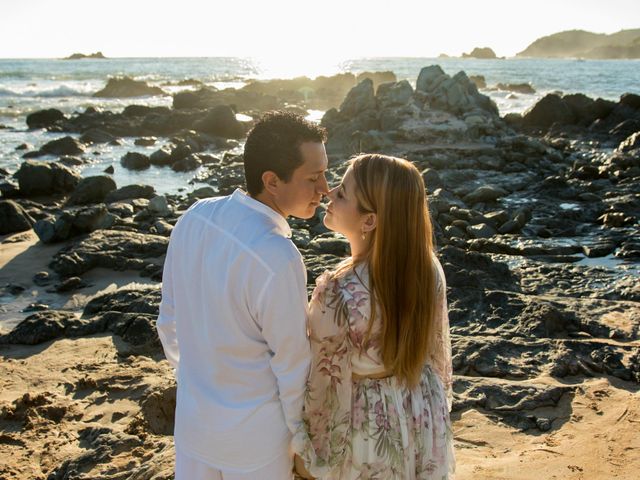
[345, 278]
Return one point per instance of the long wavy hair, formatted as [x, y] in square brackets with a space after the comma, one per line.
[402, 276]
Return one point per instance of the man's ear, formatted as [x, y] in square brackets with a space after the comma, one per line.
[271, 181]
[370, 222]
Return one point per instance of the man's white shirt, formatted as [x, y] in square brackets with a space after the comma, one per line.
[233, 323]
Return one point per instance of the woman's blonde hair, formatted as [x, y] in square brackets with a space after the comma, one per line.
[402, 277]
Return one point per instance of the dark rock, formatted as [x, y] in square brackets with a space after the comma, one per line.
[135, 161]
[130, 191]
[455, 94]
[96, 135]
[62, 146]
[550, 109]
[186, 164]
[481, 230]
[40, 178]
[35, 307]
[42, 278]
[92, 190]
[145, 141]
[630, 100]
[517, 87]
[13, 218]
[44, 118]
[110, 170]
[359, 99]
[70, 161]
[41, 327]
[394, 94]
[161, 157]
[221, 121]
[484, 194]
[72, 223]
[116, 250]
[126, 300]
[119, 87]
[72, 283]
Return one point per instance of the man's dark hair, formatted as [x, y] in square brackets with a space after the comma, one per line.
[273, 144]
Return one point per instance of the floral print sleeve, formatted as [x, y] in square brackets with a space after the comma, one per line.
[327, 413]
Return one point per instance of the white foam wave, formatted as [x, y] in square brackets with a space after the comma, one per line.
[58, 91]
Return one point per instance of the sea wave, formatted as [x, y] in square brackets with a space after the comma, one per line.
[58, 91]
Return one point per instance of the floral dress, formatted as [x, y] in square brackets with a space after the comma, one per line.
[356, 426]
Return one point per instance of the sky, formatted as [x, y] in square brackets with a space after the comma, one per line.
[320, 30]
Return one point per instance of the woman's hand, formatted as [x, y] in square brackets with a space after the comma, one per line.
[299, 468]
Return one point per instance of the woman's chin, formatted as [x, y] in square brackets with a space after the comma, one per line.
[327, 223]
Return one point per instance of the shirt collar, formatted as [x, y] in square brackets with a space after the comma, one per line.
[281, 223]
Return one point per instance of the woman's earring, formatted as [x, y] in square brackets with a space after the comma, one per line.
[364, 236]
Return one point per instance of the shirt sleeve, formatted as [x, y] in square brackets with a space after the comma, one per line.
[282, 314]
[440, 351]
[166, 323]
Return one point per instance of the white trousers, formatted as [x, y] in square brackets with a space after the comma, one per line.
[188, 468]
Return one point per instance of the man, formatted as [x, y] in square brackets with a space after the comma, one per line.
[233, 312]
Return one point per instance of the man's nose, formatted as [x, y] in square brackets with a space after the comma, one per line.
[323, 186]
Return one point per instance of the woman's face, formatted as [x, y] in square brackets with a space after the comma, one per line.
[343, 215]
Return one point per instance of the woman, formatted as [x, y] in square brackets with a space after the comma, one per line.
[379, 391]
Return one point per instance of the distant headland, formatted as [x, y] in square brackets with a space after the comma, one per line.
[624, 44]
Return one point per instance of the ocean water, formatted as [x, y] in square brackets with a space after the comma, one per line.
[27, 85]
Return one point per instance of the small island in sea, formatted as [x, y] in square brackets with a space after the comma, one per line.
[80, 56]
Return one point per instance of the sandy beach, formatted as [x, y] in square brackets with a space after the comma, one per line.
[89, 406]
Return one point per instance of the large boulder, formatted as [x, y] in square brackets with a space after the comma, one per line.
[130, 191]
[40, 178]
[61, 146]
[120, 87]
[359, 99]
[44, 118]
[221, 121]
[393, 94]
[455, 94]
[71, 223]
[135, 161]
[13, 218]
[113, 249]
[549, 110]
[92, 190]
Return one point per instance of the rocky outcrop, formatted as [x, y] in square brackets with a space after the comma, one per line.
[72, 222]
[61, 146]
[130, 191]
[91, 190]
[123, 87]
[13, 218]
[480, 52]
[441, 109]
[44, 118]
[581, 111]
[221, 121]
[116, 250]
[40, 178]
